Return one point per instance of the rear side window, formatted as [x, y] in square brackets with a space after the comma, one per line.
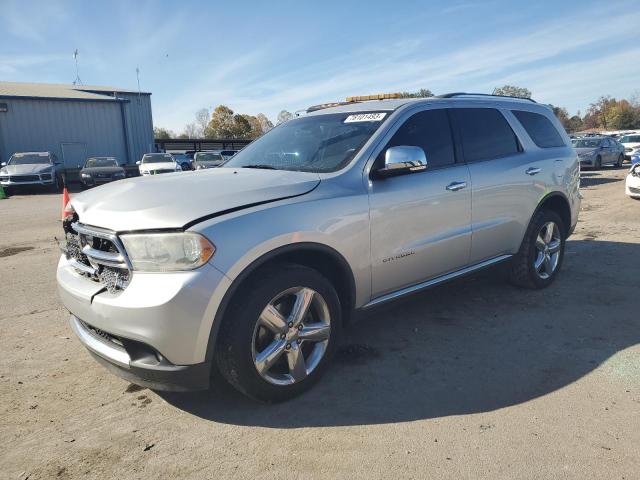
[540, 129]
[431, 131]
[485, 133]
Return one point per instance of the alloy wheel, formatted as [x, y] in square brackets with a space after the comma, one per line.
[291, 336]
[548, 244]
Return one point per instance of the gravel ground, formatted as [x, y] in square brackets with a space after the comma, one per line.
[476, 379]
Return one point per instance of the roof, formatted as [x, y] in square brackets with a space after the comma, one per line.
[394, 104]
[61, 91]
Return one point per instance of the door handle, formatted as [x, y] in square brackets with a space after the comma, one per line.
[533, 171]
[455, 186]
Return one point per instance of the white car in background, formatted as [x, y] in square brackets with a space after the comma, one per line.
[157, 163]
[632, 186]
[631, 144]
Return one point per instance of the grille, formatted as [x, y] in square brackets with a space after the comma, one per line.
[24, 178]
[98, 255]
[162, 170]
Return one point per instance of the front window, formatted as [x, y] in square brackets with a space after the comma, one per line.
[630, 139]
[585, 143]
[29, 159]
[318, 143]
[101, 162]
[157, 158]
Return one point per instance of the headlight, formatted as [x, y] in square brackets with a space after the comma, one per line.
[85, 175]
[167, 252]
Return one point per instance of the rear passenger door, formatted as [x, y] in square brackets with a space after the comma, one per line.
[420, 222]
[506, 182]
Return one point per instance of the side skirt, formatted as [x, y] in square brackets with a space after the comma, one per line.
[435, 281]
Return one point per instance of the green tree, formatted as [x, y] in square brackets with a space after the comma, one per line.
[162, 133]
[221, 124]
[512, 91]
[422, 93]
[562, 115]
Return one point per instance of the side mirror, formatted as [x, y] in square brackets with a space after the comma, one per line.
[402, 160]
[138, 162]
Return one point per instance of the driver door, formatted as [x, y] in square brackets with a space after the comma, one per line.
[421, 221]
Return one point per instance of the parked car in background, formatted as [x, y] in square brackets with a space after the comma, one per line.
[259, 265]
[595, 151]
[183, 160]
[31, 169]
[156, 163]
[632, 183]
[227, 154]
[99, 170]
[202, 160]
[631, 144]
[635, 158]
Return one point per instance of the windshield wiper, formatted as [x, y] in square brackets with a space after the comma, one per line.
[261, 166]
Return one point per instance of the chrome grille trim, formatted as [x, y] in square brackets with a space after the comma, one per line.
[118, 260]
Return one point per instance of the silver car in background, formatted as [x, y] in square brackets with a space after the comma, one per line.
[261, 263]
[204, 160]
[31, 169]
[595, 152]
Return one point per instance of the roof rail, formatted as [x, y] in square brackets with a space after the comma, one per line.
[460, 94]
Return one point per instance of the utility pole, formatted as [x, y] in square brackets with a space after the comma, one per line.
[77, 81]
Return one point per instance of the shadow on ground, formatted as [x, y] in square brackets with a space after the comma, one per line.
[471, 346]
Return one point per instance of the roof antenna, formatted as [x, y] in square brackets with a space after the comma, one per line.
[77, 81]
[138, 78]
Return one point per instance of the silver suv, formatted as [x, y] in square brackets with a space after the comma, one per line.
[262, 261]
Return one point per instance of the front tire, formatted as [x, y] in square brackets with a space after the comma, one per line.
[598, 163]
[620, 161]
[540, 257]
[279, 333]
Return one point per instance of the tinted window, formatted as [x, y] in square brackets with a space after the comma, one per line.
[485, 134]
[540, 129]
[431, 131]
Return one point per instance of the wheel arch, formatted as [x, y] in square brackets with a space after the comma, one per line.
[326, 260]
[556, 202]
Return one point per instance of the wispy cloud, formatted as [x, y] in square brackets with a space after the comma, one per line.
[251, 86]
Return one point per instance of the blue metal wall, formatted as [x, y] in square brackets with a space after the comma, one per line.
[45, 124]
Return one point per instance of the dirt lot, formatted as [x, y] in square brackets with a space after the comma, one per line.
[472, 380]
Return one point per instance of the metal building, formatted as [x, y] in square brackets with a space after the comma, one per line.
[75, 122]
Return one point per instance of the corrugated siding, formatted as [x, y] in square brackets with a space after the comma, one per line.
[139, 124]
[43, 125]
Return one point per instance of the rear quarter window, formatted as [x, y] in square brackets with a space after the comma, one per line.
[540, 129]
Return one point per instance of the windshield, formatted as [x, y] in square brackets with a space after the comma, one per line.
[586, 143]
[630, 139]
[157, 158]
[29, 158]
[101, 162]
[318, 143]
[208, 157]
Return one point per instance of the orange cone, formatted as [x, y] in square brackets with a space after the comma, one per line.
[66, 212]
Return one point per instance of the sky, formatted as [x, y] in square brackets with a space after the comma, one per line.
[268, 56]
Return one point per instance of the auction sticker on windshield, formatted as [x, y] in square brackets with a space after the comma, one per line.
[364, 117]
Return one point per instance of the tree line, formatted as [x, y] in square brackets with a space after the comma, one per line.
[607, 113]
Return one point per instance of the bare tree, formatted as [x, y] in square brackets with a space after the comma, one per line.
[284, 116]
[202, 120]
[191, 130]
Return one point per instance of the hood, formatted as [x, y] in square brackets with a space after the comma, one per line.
[158, 166]
[26, 169]
[631, 144]
[583, 150]
[175, 199]
[102, 170]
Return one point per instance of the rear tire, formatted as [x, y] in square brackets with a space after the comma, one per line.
[538, 262]
[261, 319]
